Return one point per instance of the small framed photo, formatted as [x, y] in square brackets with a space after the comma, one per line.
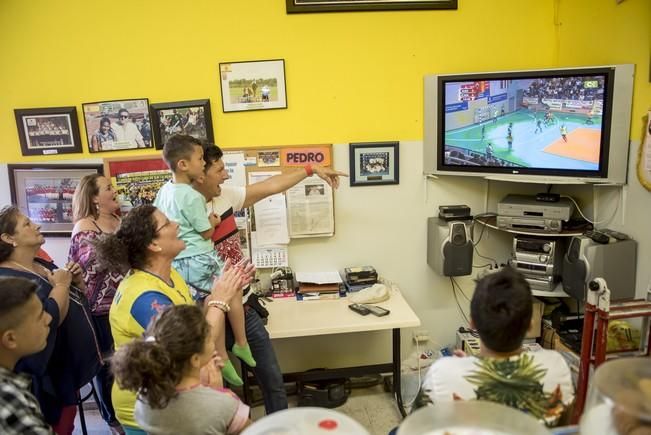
[182, 117]
[374, 163]
[117, 125]
[47, 131]
[44, 193]
[253, 85]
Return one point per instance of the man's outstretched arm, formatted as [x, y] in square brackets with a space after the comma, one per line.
[281, 182]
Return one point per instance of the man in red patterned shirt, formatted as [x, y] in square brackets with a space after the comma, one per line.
[224, 201]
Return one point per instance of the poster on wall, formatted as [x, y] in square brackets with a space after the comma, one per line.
[117, 125]
[48, 131]
[44, 193]
[137, 180]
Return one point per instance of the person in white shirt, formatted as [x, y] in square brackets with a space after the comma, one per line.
[538, 382]
[223, 201]
[126, 131]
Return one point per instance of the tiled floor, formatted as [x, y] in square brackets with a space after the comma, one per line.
[372, 407]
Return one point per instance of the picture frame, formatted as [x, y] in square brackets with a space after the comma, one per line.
[191, 117]
[374, 163]
[107, 129]
[136, 179]
[48, 131]
[44, 193]
[253, 85]
[303, 6]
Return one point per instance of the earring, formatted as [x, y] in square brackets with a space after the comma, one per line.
[97, 207]
[14, 244]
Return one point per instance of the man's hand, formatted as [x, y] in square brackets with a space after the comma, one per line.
[329, 175]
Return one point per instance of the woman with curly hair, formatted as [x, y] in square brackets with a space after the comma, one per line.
[164, 369]
[144, 247]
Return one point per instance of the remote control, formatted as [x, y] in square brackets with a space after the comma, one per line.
[359, 309]
[597, 237]
[377, 311]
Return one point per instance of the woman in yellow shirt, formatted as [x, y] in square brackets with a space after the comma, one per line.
[145, 246]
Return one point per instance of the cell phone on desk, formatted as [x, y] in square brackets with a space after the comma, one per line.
[359, 309]
[376, 311]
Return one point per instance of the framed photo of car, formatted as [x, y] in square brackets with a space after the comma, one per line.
[44, 193]
[117, 125]
[373, 163]
[253, 85]
[48, 131]
[182, 117]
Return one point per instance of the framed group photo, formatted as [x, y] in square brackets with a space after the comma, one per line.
[182, 117]
[373, 163]
[48, 131]
[44, 193]
[117, 125]
[253, 85]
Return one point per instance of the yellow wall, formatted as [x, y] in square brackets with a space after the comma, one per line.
[350, 76]
[597, 32]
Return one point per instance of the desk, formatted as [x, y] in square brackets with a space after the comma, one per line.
[291, 318]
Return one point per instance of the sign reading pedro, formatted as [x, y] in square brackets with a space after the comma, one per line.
[304, 156]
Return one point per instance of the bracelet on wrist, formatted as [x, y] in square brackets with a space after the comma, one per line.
[221, 305]
[308, 170]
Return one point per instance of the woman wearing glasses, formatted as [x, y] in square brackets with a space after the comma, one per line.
[95, 208]
[71, 357]
[145, 245]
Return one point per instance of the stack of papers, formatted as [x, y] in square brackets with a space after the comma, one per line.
[318, 282]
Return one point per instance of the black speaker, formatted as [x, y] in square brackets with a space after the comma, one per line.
[449, 247]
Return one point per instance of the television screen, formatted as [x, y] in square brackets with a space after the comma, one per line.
[547, 122]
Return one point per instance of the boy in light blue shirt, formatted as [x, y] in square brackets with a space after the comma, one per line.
[198, 263]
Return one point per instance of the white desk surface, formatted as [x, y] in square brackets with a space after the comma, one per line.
[291, 318]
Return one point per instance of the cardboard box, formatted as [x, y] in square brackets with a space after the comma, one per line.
[536, 319]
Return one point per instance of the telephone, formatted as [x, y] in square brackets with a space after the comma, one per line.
[282, 283]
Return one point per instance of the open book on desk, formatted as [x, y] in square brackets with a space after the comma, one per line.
[318, 282]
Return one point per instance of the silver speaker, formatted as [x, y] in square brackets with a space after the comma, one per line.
[449, 247]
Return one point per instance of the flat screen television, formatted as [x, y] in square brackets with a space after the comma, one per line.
[569, 125]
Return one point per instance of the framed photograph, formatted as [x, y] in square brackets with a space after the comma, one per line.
[268, 158]
[374, 163]
[117, 125]
[137, 180]
[299, 6]
[253, 85]
[47, 131]
[44, 193]
[182, 117]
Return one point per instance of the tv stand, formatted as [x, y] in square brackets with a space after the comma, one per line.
[516, 178]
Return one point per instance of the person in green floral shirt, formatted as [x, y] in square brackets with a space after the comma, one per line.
[538, 383]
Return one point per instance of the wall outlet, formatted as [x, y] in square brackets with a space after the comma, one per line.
[420, 335]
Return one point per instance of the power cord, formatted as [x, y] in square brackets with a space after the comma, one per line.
[454, 293]
[584, 217]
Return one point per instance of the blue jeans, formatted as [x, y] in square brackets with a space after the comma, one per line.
[103, 381]
[267, 371]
